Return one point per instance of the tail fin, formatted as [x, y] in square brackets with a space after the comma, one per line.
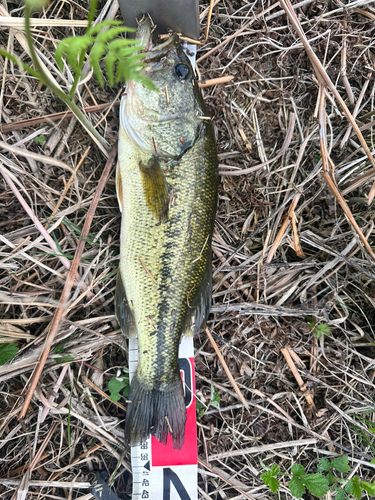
[157, 412]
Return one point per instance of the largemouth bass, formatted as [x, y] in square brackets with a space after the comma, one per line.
[166, 182]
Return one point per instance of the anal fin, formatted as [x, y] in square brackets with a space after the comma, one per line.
[155, 188]
[123, 312]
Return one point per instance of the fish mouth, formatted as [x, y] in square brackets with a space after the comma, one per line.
[153, 53]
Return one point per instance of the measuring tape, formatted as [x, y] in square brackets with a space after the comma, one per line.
[161, 472]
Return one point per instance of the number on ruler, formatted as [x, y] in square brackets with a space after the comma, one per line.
[187, 380]
[171, 477]
[145, 494]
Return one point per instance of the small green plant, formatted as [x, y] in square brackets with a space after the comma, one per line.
[40, 139]
[8, 351]
[320, 483]
[77, 230]
[319, 330]
[118, 385]
[65, 359]
[363, 438]
[60, 349]
[214, 401]
[367, 422]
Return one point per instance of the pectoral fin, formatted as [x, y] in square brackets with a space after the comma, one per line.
[119, 191]
[155, 188]
[123, 312]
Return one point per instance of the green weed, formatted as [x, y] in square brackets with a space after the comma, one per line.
[119, 386]
[320, 483]
[214, 401]
[40, 139]
[8, 351]
[319, 330]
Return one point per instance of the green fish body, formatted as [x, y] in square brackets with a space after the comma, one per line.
[166, 180]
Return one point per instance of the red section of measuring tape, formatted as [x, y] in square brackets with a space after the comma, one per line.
[166, 455]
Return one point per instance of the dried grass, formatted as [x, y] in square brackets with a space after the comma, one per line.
[293, 243]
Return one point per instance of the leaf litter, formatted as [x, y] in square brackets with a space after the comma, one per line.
[292, 319]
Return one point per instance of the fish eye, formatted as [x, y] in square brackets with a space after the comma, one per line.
[181, 70]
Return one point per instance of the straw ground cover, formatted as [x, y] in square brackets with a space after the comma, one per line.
[285, 370]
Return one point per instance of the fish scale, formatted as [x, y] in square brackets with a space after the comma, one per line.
[167, 186]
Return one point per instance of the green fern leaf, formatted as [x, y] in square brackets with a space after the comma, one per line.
[126, 52]
[124, 42]
[106, 36]
[129, 68]
[122, 57]
[60, 52]
[134, 60]
[72, 48]
[98, 51]
[122, 71]
[93, 4]
[94, 30]
[96, 54]
[76, 49]
[110, 61]
[146, 82]
[97, 71]
[134, 72]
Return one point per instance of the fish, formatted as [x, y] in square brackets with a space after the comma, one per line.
[166, 182]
